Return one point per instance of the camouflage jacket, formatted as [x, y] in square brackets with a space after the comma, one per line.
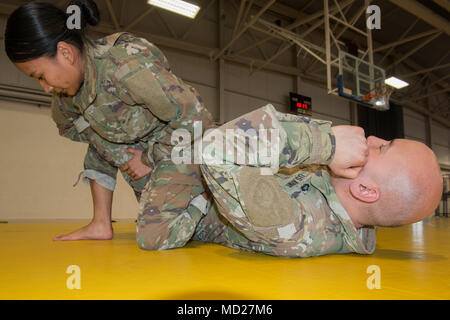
[295, 212]
[129, 98]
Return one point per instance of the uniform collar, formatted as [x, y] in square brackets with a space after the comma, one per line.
[361, 240]
[88, 90]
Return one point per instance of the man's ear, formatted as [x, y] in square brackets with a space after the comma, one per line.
[366, 192]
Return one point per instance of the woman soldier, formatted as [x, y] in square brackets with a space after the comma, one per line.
[117, 94]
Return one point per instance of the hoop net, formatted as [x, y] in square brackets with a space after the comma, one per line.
[379, 96]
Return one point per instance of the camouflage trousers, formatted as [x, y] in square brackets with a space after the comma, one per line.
[170, 206]
[253, 210]
[240, 204]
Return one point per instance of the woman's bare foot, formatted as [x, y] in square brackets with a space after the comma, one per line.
[93, 231]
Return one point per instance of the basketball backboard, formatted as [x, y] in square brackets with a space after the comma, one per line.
[363, 82]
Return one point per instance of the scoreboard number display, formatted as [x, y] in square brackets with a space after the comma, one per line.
[300, 105]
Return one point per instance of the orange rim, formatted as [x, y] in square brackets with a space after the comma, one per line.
[369, 96]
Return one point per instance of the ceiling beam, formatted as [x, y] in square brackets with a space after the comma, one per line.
[444, 4]
[440, 79]
[429, 74]
[281, 9]
[282, 49]
[247, 25]
[442, 66]
[197, 20]
[427, 15]
[122, 12]
[138, 19]
[405, 40]
[417, 48]
[415, 66]
[427, 95]
[250, 34]
[353, 20]
[387, 53]
[112, 14]
[246, 13]
[167, 25]
[239, 16]
[299, 20]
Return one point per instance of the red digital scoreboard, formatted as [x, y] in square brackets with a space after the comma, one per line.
[301, 105]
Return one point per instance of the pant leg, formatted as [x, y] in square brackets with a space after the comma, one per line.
[171, 205]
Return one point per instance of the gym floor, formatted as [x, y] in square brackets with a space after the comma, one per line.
[412, 261]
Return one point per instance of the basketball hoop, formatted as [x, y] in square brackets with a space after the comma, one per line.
[379, 96]
[380, 91]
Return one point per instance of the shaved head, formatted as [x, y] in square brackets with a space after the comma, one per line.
[410, 184]
[401, 183]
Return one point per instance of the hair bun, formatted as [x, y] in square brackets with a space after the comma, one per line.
[89, 12]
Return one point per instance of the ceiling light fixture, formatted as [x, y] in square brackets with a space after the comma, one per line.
[178, 6]
[396, 83]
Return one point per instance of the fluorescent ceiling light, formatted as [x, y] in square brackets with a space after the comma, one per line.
[178, 6]
[396, 83]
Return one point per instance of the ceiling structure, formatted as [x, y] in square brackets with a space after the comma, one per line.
[412, 44]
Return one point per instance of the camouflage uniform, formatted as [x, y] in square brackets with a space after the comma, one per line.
[295, 215]
[131, 99]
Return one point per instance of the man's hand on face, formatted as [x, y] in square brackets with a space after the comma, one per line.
[351, 151]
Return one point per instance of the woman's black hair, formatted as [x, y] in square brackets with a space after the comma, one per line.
[34, 29]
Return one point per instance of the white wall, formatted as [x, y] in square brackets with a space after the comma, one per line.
[38, 169]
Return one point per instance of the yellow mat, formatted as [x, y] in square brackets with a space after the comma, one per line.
[410, 262]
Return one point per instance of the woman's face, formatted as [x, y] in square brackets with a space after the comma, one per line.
[63, 73]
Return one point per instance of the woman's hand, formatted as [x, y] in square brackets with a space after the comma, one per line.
[135, 168]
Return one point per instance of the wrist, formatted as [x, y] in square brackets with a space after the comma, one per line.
[323, 143]
[146, 160]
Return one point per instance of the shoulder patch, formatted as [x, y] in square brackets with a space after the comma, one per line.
[145, 89]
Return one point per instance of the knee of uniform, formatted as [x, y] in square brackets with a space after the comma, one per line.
[148, 242]
[145, 246]
[154, 246]
[147, 238]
